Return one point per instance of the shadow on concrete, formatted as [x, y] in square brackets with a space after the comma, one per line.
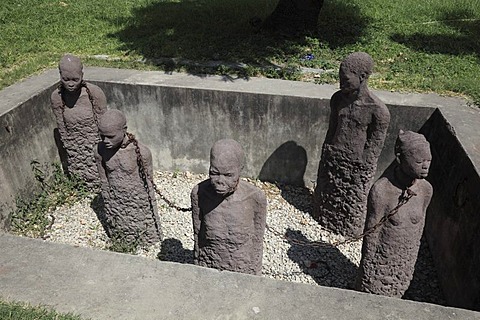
[172, 250]
[326, 264]
[223, 31]
[287, 164]
[425, 286]
[62, 153]
[464, 37]
[286, 167]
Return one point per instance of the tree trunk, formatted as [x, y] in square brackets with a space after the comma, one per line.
[294, 16]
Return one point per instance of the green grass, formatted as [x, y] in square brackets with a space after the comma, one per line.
[425, 46]
[20, 311]
[31, 217]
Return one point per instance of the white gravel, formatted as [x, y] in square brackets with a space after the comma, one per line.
[295, 246]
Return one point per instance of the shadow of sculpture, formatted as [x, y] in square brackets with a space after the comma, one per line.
[98, 207]
[172, 250]
[62, 153]
[286, 167]
[463, 38]
[324, 263]
[286, 164]
[425, 286]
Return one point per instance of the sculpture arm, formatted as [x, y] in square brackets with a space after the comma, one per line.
[56, 103]
[98, 98]
[376, 209]
[147, 160]
[376, 133]
[260, 222]
[196, 221]
[102, 174]
[333, 119]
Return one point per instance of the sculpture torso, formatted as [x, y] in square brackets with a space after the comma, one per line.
[230, 235]
[389, 253]
[78, 129]
[129, 207]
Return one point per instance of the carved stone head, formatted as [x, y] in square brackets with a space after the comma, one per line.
[354, 71]
[226, 163]
[112, 126]
[413, 154]
[71, 72]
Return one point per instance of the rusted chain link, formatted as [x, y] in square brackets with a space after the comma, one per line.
[404, 198]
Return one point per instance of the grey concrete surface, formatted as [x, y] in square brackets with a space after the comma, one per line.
[281, 125]
[26, 134]
[106, 285]
[453, 224]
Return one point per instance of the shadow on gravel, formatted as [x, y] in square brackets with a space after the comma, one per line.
[326, 264]
[97, 206]
[172, 250]
[299, 197]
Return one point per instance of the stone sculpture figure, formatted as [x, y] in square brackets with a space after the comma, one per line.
[125, 170]
[229, 215]
[77, 105]
[389, 253]
[356, 133]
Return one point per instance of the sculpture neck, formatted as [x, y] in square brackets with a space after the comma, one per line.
[405, 181]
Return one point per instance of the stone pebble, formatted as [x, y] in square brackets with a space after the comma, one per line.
[296, 247]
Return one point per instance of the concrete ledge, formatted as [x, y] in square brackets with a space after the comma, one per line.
[106, 285]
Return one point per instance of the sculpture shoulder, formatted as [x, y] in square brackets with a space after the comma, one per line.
[201, 187]
[381, 184]
[425, 187]
[56, 98]
[382, 187]
[95, 90]
[144, 150]
[336, 98]
[380, 109]
[248, 190]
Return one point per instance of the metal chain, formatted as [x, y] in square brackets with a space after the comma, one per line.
[404, 198]
[144, 173]
[406, 195]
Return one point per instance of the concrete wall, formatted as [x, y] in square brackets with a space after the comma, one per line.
[453, 217]
[282, 133]
[281, 125]
[26, 134]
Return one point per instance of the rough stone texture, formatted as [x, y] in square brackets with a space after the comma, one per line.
[389, 253]
[356, 133]
[229, 215]
[76, 105]
[129, 198]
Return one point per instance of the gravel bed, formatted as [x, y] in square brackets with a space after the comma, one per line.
[296, 247]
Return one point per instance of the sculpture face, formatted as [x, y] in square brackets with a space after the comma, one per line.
[349, 80]
[224, 176]
[112, 137]
[416, 163]
[71, 78]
